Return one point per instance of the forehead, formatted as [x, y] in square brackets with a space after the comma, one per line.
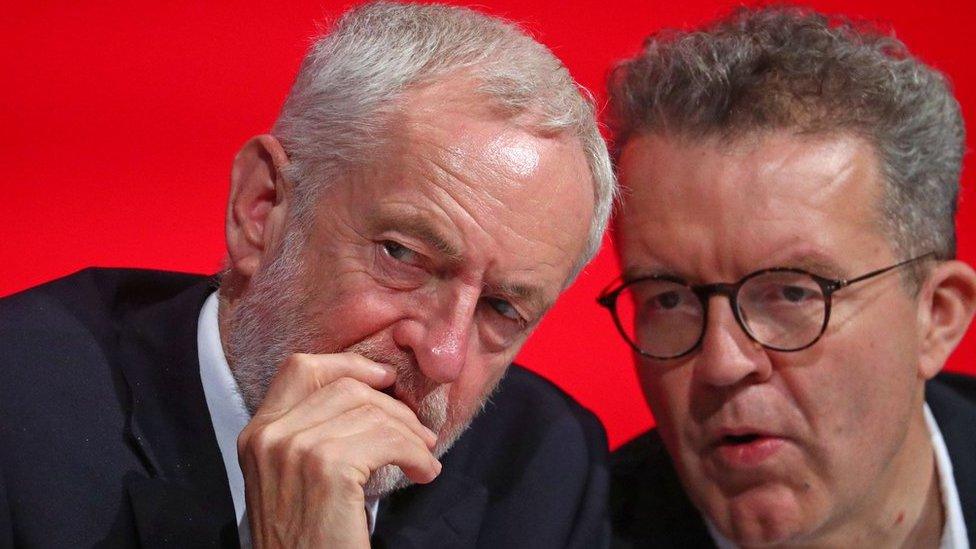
[502, 198]
[763, 200]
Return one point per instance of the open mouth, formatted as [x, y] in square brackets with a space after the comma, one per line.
[741, 439]
[747, 450]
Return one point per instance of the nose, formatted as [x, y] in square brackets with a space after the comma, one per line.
[439, 332]
[727, 355]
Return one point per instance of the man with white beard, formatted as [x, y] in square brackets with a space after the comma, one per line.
[434, 180]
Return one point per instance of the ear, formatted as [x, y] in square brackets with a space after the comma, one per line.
[257, 204]
[947, 302]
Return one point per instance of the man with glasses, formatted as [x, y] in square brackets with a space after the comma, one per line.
[790, 290]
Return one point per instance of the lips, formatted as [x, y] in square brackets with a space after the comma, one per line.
[745, 448]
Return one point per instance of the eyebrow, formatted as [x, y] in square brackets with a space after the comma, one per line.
[419, 226]
[816, 263]
[809, 261]
[633, 273]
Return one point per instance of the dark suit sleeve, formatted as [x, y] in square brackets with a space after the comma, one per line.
[6, 521]
[592, 524]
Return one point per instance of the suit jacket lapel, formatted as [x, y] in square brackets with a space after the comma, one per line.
[445, 513]
[187, 499]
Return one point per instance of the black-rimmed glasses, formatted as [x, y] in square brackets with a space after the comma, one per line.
[782, 309]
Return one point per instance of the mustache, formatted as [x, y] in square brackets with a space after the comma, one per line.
[409, 377]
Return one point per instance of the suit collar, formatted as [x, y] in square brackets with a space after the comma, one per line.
[444, 513]
[169, 426]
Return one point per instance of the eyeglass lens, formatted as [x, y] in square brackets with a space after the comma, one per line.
[780, 309]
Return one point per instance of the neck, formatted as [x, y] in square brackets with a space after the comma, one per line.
[928, 529]
[223, 322]
[910, 514]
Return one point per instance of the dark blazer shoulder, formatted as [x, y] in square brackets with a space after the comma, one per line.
[648, 505]
[529, 472]
[63, 335]
[71, 384]
[523, 389]
[534, 415]
[93, 297]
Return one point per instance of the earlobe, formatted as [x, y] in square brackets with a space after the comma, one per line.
[947, 303]
[257, 203]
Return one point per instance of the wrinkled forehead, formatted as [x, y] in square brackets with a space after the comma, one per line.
[530, 194]
[761, 192]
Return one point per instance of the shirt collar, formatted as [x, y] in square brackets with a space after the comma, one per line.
[226, 405]
[954, 535]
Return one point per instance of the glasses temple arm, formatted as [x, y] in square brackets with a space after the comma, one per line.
[843, 283]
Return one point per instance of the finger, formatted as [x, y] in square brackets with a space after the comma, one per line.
[267, 448]
[302, 374]
[344, 395]
[346, 462]
[386, 445]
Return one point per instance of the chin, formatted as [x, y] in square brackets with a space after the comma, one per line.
[385, 480]
[761, 517]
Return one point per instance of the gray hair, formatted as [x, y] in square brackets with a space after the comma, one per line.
[338, 114]
[789, 68]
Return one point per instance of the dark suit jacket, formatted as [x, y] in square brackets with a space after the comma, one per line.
[649, 508]
[105, 437]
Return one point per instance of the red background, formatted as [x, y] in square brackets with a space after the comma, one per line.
[118, 123]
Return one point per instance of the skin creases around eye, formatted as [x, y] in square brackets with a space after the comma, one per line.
[502, 321]
[398, 266]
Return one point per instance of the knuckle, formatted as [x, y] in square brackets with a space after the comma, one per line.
[350, 387]
[403, 409]
[317, 460]
[353, 359]
[261, 440]
[373, 414]
[295, 446]
[392, 435]
[295, 362]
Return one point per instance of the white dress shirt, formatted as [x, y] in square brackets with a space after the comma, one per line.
[954, 535]
[228, 413]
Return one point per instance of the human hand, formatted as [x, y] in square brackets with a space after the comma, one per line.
[322, 429]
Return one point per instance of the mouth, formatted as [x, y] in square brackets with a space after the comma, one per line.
[745, 449]
[734, 440]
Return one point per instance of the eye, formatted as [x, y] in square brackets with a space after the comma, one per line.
[788, 294]
[504, 308]
[399, 252]
[782, 293]
[795, 294]
[666, 300]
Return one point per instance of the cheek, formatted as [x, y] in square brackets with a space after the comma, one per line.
[856, 395]
[346, 314]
